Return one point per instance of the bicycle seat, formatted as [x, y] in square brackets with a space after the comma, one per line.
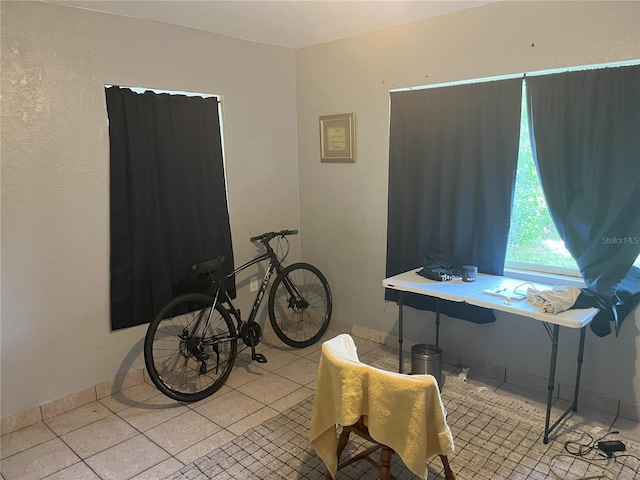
[209, 266]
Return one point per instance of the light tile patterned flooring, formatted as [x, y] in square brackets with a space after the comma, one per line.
[141, 434]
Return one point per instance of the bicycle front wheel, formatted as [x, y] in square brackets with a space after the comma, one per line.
[300, 305]
[190, 348]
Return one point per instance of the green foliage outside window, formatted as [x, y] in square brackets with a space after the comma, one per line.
[533, 238]
[534, 242]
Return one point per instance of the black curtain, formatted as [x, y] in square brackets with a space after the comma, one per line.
[586, 142]
[167, 197]
[453, 153]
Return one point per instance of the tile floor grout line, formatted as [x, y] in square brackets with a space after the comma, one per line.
[84, 460]
[159, 446]
[531, 401]
[139, 432]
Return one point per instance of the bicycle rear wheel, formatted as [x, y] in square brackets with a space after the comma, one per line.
[300, 305]
[190, 348]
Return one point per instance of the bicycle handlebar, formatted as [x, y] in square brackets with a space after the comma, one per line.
[266, 237]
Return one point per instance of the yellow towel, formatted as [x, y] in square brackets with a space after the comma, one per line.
[404, 412]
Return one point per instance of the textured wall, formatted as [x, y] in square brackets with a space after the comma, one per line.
[55, 176]
[344, 206]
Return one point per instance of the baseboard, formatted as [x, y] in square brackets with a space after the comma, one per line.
[534, 383]
[69, 402]
[537, 384]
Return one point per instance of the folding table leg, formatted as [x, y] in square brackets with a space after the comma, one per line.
[437, 322]
[579, 369]
[400, 325]
[552, 379]
[552, 373]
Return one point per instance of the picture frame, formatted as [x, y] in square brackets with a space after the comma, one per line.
[337, 138]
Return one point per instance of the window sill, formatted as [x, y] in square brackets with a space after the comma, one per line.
[539, 277]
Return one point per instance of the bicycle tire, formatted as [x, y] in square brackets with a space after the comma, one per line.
[190, 367]
[300, 322]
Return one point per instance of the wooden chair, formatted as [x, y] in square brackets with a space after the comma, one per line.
[349, 389]
[384, 465]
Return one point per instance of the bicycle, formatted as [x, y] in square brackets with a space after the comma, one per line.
[191, 346]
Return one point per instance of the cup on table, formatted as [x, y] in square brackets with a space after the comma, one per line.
[469, 273]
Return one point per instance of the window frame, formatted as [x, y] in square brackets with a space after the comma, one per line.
[530, 268]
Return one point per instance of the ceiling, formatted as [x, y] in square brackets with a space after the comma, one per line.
[291, 24]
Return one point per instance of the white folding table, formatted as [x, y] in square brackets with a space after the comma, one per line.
[473, 293]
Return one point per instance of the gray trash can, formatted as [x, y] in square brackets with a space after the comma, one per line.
[427, 359]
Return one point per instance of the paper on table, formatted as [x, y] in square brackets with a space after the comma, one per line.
[505, 292]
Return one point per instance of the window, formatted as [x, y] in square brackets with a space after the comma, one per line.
[534, 243]
[168, 200]
[453, 158]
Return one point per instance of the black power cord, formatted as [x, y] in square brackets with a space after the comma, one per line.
[585, 448]
[604, 449]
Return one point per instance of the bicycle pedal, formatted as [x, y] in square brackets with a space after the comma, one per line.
[258, 357]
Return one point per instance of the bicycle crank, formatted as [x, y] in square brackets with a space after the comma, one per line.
[251, 335]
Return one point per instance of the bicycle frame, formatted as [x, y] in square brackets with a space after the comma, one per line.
[190, 346]
[274, 267]
[221, 295]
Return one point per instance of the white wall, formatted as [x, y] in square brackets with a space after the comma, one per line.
[55, 245]
[344, 206]
[56, 337]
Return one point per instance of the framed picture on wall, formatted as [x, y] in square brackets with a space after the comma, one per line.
[337, 138]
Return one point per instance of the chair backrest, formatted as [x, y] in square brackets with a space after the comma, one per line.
[404, 412]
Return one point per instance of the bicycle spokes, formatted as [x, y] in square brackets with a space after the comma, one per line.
[191, 348]
[300, 305]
